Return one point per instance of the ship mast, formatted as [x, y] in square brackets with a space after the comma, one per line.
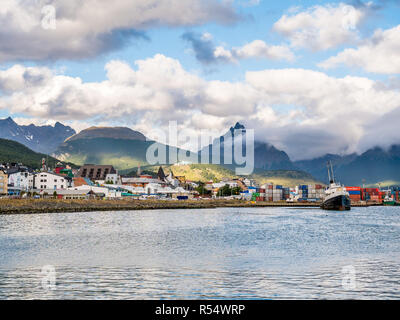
[330, 172]
[333, 176]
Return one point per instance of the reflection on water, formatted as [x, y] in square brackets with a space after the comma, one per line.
[241, 253]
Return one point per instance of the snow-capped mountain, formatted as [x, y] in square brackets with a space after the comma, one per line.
[44, 139]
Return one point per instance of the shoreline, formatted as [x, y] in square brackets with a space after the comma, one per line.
[37, 206]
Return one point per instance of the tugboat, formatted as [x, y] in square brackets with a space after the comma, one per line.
[337, 198]
[389, 201]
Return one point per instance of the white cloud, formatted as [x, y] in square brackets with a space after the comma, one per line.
[222, 54]
[260, 49]
[86, 29]
[324, 114]
[207, 53]
[321, 27]
[380, 54]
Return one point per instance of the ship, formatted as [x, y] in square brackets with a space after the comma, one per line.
[337, 198]
[389, 201]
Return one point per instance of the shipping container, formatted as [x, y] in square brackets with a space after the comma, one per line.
[371, 190]
[353, 189]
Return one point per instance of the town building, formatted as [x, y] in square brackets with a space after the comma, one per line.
[75, 194]
[142, 181]
[3, 183]
[113, 178]
[78, 181]
[96, 172]
[50, 181]
[98, 192]
[19, 180]
[161, 174]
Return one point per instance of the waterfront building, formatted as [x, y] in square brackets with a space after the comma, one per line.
[50, 181]
[98, 192]
[19, 180]
[3, 183]
[74, 194]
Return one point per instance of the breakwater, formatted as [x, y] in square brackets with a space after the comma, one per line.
[28, 206]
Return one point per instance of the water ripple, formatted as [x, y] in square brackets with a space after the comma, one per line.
[245, 253]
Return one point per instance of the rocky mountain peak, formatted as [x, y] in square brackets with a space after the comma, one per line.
[44, 139]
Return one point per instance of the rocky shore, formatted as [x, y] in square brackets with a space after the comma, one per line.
[28, 206]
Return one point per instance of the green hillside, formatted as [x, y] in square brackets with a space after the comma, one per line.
[121, 153]
[15, 152]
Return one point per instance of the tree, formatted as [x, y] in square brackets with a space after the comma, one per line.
[236, 191]
[55, 194]
[224, 191]
[202, 190]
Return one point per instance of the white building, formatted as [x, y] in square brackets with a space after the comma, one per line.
[172, 181]
[249, 182]
[20, 180]
[108, 193]
[155, 189]
[49, 181]
[231, 184]
[114, 177]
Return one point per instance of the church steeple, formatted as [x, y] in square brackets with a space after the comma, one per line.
[161, 174]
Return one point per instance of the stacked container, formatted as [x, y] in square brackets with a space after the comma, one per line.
[277, 194]
[303, 191]
[355, 193]
[286, 193]
[372, 195]
[262, 194]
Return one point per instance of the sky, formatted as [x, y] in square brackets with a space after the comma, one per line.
[310, 77]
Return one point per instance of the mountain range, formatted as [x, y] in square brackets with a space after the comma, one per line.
[122, 147]
[266, 156]
[372, 167]
[44, 139]
[125, 148]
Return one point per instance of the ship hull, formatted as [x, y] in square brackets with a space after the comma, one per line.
[338, 203]
[391, 203]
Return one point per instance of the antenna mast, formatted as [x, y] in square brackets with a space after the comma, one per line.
[329, 172]
[333, 176]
